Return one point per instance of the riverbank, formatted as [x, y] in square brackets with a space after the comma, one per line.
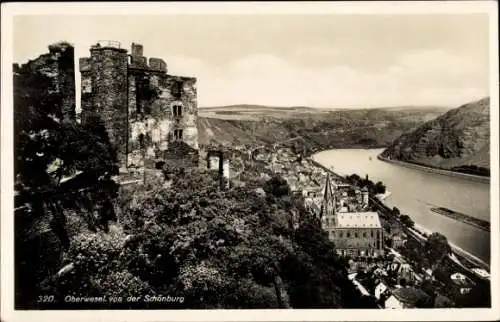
[466, 176]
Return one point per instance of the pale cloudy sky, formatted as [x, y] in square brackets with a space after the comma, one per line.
[312, 60]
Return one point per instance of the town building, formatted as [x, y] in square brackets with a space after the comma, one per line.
[353, 233]
[401, 271]
[380, 289]
[398, 239]
[461, 284]
[150, 115]
[313, 198]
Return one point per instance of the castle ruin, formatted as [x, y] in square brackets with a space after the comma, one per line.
[150, 116]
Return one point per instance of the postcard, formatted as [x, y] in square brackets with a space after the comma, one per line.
[250, 161]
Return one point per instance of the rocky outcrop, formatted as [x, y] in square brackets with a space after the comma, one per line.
[458, 140]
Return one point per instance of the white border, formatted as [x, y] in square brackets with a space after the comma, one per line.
[421, 7]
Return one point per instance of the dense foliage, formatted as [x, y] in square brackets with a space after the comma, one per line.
[61, 168]
[233, 248]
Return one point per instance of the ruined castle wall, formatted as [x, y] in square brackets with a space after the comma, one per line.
[86, 88]
[152, 98]
[66, 72]
[59, 66]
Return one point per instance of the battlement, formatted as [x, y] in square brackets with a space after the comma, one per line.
[137, 50]
[137, 60]
[157, 64]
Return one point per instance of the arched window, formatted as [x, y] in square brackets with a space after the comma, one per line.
[177, 111]
[364, 235]
[141, 140]
[348, 234]
[178, 134]
[177, 89]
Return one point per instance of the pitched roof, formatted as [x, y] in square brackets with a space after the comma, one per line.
[358, 220]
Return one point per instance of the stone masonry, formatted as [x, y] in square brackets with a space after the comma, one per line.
[151, 116]
[59, 66]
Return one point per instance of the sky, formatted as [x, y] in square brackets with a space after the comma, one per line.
[324, 61]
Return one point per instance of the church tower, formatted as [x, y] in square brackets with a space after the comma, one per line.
[328, 206]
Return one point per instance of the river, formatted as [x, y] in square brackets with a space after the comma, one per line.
[415, 192]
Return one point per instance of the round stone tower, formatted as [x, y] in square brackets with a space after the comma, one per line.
[109, 64]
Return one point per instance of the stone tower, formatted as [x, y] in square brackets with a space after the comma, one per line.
[108, 87]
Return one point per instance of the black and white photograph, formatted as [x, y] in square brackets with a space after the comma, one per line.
[212, 157]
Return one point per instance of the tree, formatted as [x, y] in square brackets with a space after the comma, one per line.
[436, 248]
[428, 287]
[443, 302]
[233, 248]
[407, 221]
[277, 186]
[379, 188]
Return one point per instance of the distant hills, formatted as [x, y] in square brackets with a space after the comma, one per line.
[458, 140]
[257, 112]
[315, 129]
